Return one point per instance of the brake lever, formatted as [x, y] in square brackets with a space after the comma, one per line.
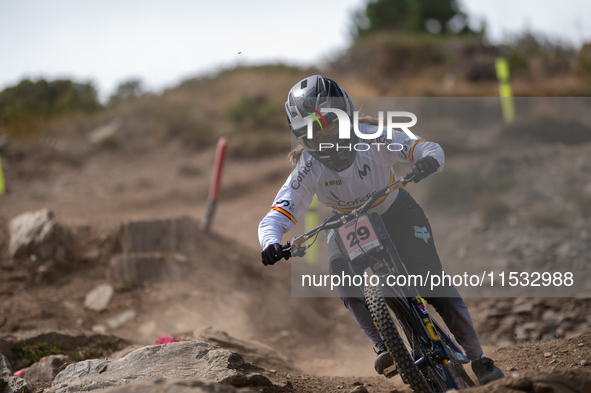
[298, 251]
[286, 250]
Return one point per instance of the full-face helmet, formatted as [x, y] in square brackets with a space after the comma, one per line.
[304, 104]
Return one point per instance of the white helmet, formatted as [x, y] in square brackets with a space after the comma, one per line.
[305, 101]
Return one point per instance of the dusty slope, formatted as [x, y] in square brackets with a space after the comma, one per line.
[94, 192]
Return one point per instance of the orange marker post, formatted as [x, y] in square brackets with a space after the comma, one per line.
[214, 187]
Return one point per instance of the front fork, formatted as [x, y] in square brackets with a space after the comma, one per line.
[439, 354]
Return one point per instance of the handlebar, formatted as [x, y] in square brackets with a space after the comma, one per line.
[296, 246]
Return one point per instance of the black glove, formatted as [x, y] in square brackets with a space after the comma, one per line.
[272, 254]
[424, 167]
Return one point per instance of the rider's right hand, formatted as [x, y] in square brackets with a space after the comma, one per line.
[271, 254]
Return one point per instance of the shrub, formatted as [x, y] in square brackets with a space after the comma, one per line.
[548, 130]
[463, 188]
[25, 106]
[491, 208]
[556, 56]
[251, 112]
[548, 218]
[584, 61]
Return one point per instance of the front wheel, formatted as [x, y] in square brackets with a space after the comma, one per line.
[385, 324]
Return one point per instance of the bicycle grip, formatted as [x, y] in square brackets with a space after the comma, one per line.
[408, 177]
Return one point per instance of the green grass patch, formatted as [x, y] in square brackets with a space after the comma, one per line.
[27, 354]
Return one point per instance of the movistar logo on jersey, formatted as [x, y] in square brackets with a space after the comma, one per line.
[363, 173]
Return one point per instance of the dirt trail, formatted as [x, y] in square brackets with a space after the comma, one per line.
[93, 192]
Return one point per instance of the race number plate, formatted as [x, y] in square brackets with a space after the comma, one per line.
[359, 237]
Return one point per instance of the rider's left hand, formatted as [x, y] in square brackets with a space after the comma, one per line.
[424, 167]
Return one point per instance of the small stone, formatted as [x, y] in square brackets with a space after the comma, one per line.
[547, 354]
[98, 299]
[99, 329]
[580, 345]
[360, 389]
[584, 362]
[541, 387]
[121, 319]
[522, 383]
[523, 309]
[46, 369]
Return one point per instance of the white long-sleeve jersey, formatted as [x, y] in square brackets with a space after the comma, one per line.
[346, 190]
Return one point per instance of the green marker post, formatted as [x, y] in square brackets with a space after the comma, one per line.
[505, 93]
[2, 187]
[311, 221]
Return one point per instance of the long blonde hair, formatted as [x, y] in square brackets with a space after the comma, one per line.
[295, 154]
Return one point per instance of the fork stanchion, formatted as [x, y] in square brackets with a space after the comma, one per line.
[214, 187]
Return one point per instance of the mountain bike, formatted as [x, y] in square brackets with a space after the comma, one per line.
[427, 359]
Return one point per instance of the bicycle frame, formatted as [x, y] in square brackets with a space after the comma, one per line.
[384, 261]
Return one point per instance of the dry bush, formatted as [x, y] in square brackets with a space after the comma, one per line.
[472, 190]
[548, 130]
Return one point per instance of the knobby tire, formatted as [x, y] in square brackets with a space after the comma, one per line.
[383, 320]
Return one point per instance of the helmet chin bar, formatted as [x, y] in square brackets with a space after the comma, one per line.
[334, 161]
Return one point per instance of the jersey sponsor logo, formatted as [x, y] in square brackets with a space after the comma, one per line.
[348, 206]
[364, 171]
[354, 203]
[382, 139]
[303, 171]
[422, 233]
[284, 203]
[333, 183]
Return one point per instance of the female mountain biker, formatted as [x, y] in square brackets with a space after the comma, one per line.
[342, 178]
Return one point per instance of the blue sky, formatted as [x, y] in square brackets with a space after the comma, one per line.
[165, 42]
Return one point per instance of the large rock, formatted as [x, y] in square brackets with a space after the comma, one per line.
[187, 360]
[175, 235]
[46, 369]
[148, 267]
[9, 383]
[254, 352]
[5, 369]
[168, 386]
[558, 381]
[37, 234]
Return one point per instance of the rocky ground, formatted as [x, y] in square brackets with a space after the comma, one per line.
[293, 344]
